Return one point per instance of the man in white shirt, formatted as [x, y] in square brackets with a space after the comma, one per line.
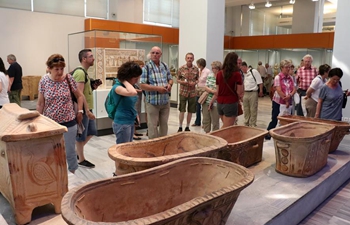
[252, 85]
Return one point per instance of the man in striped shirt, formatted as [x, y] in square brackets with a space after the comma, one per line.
[304, 77]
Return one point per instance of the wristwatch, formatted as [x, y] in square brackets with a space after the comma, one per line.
[81, 111]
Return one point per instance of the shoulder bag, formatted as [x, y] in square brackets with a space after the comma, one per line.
[203, 97]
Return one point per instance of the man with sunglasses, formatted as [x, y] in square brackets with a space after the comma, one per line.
[81, 76]
[156, 81]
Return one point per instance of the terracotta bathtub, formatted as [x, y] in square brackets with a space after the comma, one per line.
[341, 128]
[195, 190]
[136, 156]
[301, 147]
[245, 144]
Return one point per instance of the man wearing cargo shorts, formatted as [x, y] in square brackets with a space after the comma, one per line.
[187, 78]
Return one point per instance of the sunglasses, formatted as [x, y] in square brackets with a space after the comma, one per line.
[56, 60]
[157, 53]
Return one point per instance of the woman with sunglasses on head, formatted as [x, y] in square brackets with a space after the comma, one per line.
[330, 100]
[55, 102]
[4, 83]
[282, 98]
[125, 96]
[313, 91]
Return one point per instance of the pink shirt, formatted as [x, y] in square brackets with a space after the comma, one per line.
[287, 85]
[203, 75]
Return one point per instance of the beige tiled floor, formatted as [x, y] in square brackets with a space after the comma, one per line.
[96, 152]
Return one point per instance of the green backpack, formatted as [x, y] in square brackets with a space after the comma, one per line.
[110, 104]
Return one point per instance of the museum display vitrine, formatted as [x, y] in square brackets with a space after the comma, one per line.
[110, 49]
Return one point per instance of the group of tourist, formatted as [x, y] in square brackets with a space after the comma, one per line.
[321, 91]
[67, 98]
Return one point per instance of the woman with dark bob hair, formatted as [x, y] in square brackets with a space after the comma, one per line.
[125, 96]
[229, 87]
[4, 84]
[55, 102]
[330, 100]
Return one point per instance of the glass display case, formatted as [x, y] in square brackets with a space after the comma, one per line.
[173, 62]
[110, 49]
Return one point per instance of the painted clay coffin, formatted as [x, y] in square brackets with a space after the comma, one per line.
[341, 128]
[33, 170]
[195, 190]
[136, 156]
[301, 147]
[245, 144]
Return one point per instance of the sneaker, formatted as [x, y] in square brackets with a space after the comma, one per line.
[187, 129]
[86, 164]
[180, 129]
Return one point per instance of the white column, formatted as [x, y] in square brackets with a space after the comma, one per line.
[201, 30]
[307, 16]
[341, 48]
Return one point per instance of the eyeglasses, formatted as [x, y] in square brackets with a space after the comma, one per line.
[157, 53]
[56, 60]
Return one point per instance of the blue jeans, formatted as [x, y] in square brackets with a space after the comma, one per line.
[274, 115]
[71, 155]
[123, 132]
[198, 121]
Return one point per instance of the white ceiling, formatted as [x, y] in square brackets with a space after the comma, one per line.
[280, 6]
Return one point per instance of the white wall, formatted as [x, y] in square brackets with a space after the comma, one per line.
[126, 10]
[32, 37]
[342, 48]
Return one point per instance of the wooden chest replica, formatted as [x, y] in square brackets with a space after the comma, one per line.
[301, 148]
[245, 144]
[33, 170]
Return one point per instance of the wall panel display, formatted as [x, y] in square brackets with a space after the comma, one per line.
[108, 61]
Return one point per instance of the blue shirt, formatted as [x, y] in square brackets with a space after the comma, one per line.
[126, 112]
[156, 76]
[332, 103]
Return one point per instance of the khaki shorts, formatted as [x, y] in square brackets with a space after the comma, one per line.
[191, 104]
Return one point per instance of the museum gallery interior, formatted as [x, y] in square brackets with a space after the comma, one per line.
[228, 176]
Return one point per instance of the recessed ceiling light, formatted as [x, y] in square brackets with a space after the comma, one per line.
[268, 4]
[292, 1]
[251, 6]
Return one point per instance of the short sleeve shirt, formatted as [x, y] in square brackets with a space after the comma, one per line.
[332, 103]
[58, 100]
[189, 74]
[226, 88]
[126, 112]
[156, 76]
[79, 77]
[316, 84]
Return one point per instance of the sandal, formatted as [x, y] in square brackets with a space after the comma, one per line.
[136, 138]
[138, 134]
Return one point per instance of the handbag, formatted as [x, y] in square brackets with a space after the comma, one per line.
[239, 106]
[345, 99]
[203, 97]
